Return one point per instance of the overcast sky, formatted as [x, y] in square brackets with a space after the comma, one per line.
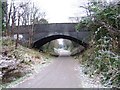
[59, 11]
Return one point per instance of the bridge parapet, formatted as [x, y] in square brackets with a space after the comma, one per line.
[47, 32]
[53, 27]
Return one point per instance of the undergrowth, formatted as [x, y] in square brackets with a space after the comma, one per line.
[28, 59]
[100, 60]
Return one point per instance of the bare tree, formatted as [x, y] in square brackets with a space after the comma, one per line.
[16, 44]
[6, 16]
[23, 14]
[19, 15]
[8, 20]
[35, 17]
[13, 19]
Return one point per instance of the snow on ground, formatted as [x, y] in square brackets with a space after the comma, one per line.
[88, 82]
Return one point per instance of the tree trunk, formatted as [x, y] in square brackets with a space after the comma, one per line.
[13, 20]
[8, 21]
[31, 33]
[16, 44]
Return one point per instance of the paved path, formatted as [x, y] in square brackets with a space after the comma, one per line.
[61, 73]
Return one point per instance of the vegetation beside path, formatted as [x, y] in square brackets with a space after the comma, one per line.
[103, 55]
[16, 64]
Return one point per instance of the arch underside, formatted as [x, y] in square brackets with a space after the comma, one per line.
[41, 42]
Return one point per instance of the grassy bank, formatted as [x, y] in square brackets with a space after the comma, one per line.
[23, 62]
[103, 64]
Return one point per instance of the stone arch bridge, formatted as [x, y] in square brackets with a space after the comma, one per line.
[43, 33]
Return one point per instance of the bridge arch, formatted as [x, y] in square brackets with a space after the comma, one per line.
[41, 42]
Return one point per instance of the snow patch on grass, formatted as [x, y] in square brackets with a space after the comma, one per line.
[88, 82]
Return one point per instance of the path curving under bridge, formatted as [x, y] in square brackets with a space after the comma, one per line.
[63, 72]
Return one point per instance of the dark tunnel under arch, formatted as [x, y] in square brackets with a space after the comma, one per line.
[41, 42]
